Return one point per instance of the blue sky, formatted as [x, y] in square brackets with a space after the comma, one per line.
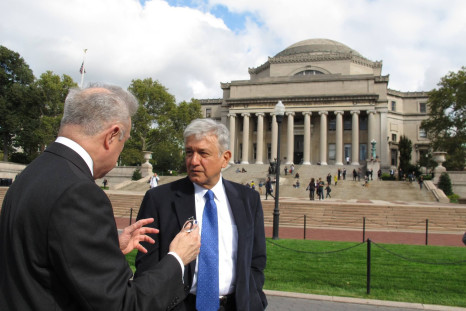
[192, 46]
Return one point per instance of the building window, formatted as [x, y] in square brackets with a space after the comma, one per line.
[332, 124]
[331, 151]
[347, 123]
[393, 105]
[254, 148]
[422, 107]
[394, 137]
[208, 112]
[422, 133]
[269, 152]
[362, 152]
[363, 123]
[269, 124]
[309, 72]
[394, 157]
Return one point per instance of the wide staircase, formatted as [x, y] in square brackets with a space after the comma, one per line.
[385, 205]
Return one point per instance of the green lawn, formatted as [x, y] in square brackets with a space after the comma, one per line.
[408, 273]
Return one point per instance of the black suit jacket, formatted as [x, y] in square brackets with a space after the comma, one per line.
[59, 246]
[172, 204]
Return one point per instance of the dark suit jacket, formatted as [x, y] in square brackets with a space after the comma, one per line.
[172, 204]
[59, 246]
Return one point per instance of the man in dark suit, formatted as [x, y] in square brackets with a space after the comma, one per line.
[241, 238]
[59, 245]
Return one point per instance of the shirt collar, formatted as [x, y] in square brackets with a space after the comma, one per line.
[218, 190]
[78, 149]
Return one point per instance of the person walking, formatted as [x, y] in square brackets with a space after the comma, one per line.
[268, 188]
[312, 189]
[328, 190]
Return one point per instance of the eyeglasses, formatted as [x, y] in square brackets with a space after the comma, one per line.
[190, 224]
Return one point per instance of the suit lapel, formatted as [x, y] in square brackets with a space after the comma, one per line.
[185, 208]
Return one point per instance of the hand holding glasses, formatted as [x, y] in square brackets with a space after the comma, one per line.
[190, 224]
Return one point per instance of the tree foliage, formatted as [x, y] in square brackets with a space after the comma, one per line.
[405, 147]
[445, 126]
[444, 184]
[158, 126]
[15, 87]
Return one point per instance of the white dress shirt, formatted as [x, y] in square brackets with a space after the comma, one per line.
[227, 237]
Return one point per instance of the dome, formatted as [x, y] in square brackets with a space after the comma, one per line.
[317, 47]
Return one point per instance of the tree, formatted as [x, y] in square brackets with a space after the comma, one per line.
[158, 126]
[15, 86]
[445, 126]
[405, 147]
[444, 184]
[45, 111]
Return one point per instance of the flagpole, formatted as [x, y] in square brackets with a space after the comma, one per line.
[82, 69]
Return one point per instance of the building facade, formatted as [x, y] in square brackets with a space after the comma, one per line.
[337, 105]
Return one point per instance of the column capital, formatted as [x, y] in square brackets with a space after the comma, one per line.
[232, 115]
[260, 114]
[245, 114]
[339, 112]
[323, 112]
[290, 113]
[307, 113]
[371, 112]
[355, 111]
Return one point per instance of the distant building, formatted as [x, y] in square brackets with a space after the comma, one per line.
[336, 103]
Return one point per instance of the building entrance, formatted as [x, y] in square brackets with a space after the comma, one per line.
[298, 149]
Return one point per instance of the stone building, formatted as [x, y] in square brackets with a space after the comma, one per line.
[336, 103]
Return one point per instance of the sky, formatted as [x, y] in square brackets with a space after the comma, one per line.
[190, 47]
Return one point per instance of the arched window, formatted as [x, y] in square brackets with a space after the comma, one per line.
[309, 72]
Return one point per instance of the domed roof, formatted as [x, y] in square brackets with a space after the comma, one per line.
[317, 46]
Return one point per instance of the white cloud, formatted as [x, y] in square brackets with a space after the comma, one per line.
[191, 51]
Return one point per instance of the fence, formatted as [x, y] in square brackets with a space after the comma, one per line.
[424, 222]
[369, 244]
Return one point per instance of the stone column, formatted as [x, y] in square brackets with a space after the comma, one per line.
[274, 137]
[307, 138]
[355, 138]
[232, 117]
[370, 129]
[290, 138]
[260, 138]
[339, 138]
[244, 158]
[323, 137]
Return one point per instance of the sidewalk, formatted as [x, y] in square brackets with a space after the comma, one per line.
[286, 301]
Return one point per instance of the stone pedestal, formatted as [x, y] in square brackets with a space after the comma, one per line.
[439, 157]
[146, 167]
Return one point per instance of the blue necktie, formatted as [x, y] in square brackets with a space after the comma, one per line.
[207, 296]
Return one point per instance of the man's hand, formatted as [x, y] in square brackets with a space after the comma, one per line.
[132, 235]
[187, 244]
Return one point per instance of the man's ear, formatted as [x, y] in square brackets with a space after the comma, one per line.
[226, 157]
[111, 134]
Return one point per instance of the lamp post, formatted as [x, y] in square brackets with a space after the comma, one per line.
[279, 113]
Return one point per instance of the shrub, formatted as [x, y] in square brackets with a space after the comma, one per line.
[445, 184]
[454, 198]
[136, 175]
[386, 176]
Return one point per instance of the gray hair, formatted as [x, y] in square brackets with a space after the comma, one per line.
[201, 128]
[94, 107]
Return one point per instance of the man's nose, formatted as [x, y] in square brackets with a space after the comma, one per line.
[195, 159]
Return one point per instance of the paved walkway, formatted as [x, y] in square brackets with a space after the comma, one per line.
[284, 301]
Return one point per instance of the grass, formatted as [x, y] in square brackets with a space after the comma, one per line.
[320, 268]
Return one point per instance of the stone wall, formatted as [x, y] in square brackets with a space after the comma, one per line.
[10, 170]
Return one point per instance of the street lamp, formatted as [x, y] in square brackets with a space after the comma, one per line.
[279, 113]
